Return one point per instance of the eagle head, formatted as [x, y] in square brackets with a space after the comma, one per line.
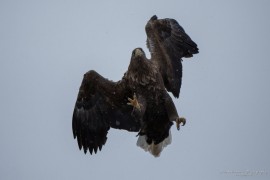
[138, 61]
[138, 53]
[138, 58]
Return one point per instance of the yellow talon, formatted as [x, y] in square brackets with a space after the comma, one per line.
[180, 120]
[134, 102]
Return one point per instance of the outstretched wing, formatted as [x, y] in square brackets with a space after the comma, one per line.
[100, 104]
[168, 43]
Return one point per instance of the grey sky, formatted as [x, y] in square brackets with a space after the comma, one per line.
[47, 46]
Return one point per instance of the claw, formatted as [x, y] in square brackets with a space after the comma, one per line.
[134, 102]
[180, 120]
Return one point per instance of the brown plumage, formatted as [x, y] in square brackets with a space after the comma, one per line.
[102, 104]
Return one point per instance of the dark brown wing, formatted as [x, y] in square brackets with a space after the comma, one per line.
[100, 104]
[168, 43]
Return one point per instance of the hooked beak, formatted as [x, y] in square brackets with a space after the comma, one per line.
[138, 52]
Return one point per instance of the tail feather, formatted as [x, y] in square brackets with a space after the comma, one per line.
[154, 149]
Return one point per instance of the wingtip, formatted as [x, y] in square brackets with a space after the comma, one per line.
[153, 18]
[191, 52]
[176, 92]
[100, 147]
[195, 50]
[79, 143]
[91, 150]
[95, 149]
[85, 150]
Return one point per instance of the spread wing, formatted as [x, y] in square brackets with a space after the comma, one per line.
[168, 43]
[100, 104]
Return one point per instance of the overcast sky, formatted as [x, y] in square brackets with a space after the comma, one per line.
[47, 46]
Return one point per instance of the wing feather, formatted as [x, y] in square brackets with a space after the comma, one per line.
[100, 104]
[168, 43]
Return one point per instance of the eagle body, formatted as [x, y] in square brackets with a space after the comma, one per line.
[144, 79]
[102, 104]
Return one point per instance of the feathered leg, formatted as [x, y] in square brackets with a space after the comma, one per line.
[172, 112]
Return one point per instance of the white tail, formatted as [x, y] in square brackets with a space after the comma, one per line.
[153, 149]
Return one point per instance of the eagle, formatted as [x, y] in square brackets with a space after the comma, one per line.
[139, 102]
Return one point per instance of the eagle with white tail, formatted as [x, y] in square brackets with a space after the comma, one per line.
[139, 102]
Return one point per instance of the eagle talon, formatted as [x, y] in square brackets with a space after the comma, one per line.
[134, 102]
[180, 120]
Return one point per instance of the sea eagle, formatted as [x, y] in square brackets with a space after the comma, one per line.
[139, 102]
